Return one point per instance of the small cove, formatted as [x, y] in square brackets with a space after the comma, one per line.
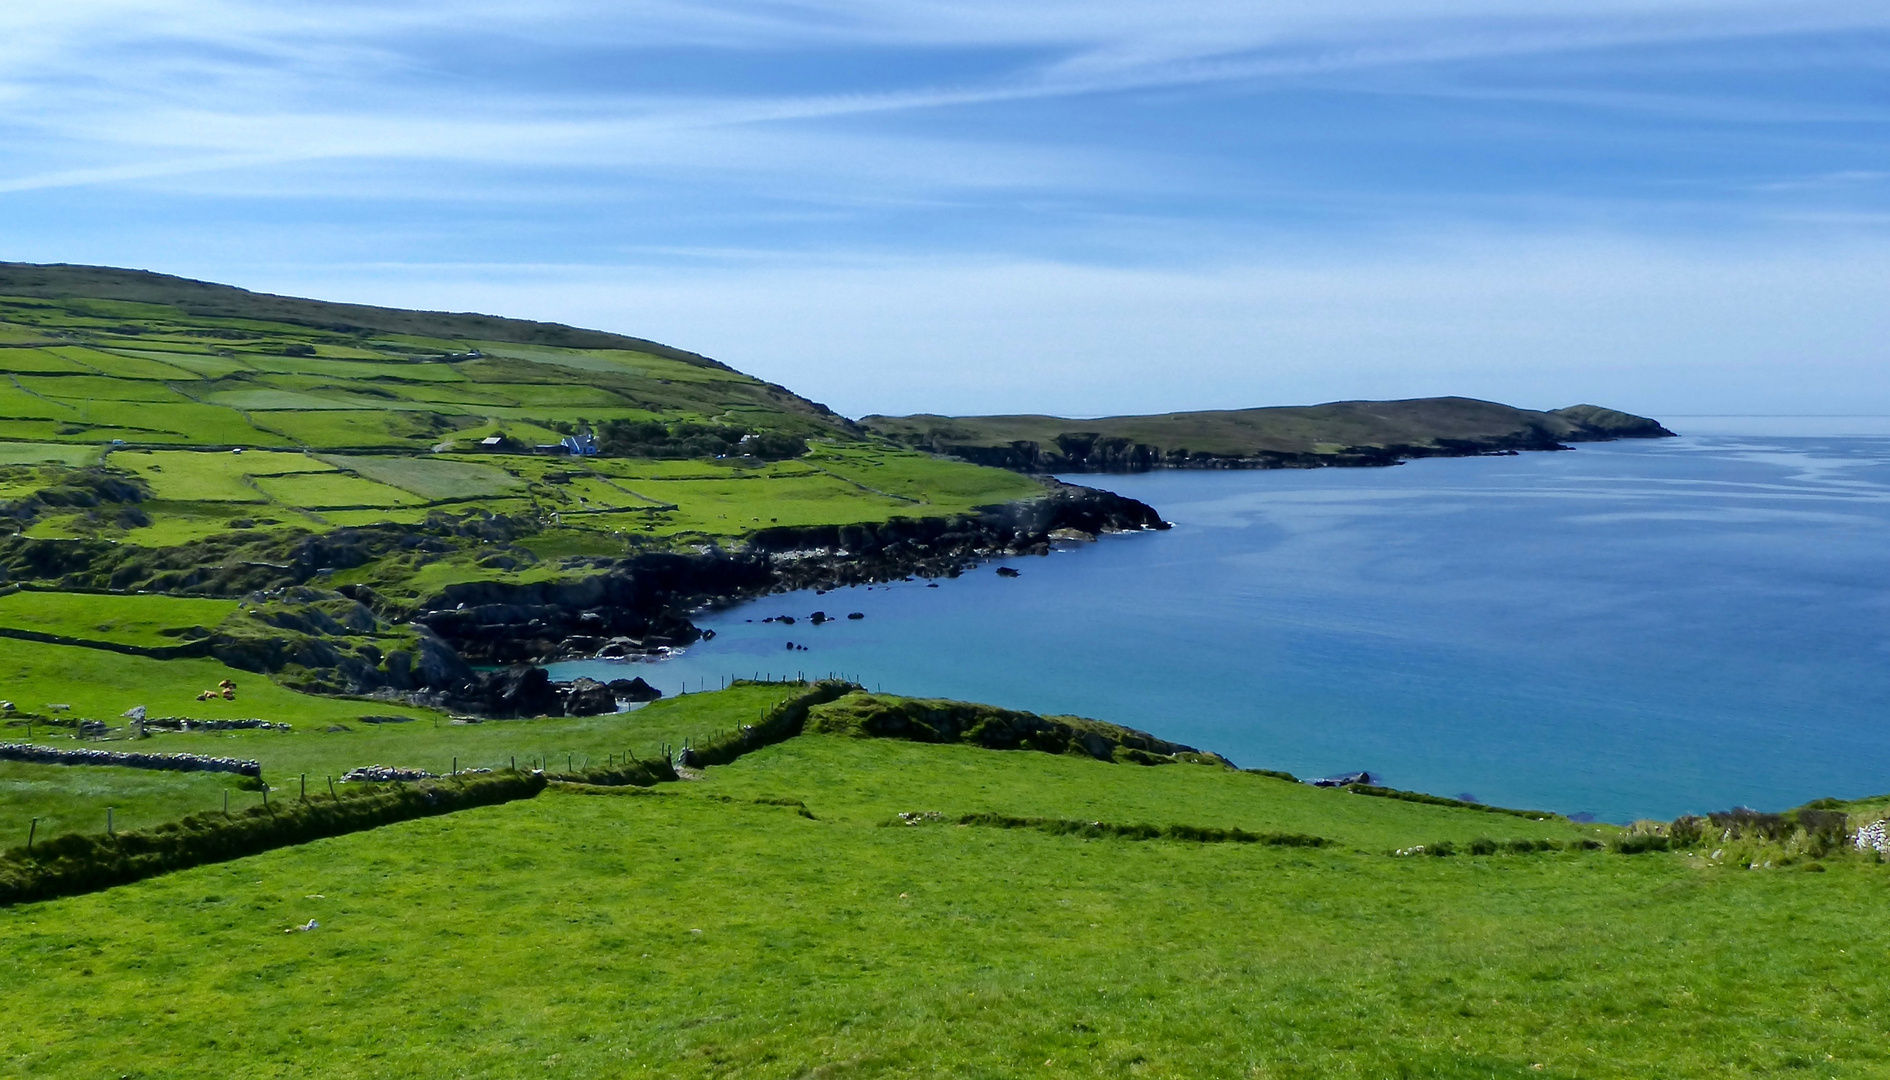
[1628, 629]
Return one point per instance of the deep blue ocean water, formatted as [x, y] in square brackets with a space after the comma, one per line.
[1628, 629]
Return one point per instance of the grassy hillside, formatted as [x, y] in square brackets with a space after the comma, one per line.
[223, 410]
[776, 917]
[1339, 433]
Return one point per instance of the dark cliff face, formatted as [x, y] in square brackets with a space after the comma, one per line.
[641, 604]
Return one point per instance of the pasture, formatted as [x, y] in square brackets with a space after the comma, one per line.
[775, 919]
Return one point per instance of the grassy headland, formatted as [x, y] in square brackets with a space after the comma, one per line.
[1338, 433]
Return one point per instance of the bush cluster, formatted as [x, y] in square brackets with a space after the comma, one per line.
[655, 439]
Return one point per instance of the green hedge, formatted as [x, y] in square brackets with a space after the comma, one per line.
[647, 772]
[76, 863]
[935, 720]
[1200, 834]
[1439, 800]
[778, 724]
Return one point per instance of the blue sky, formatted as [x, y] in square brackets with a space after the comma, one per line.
[1077, 207]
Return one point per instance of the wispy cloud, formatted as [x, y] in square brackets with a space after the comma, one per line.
[1066, 184]
[234, 80]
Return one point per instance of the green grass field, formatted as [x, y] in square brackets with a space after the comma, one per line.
[775, 916]
[713, 928]
[74, 798]
[129, 620]
[101, 685]
[329, 738]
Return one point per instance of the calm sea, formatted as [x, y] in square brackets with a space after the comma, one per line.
[1628, 629]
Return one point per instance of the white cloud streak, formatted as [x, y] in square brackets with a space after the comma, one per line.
[157, 85]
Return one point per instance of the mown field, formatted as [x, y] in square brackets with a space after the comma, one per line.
[774, 919]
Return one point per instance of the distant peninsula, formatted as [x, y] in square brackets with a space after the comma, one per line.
[1286, 437]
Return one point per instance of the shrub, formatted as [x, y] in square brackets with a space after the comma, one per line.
[1640, 842]
[1742, 823]
[1687, 831]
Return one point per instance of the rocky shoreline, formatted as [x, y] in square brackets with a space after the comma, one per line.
[641, 604]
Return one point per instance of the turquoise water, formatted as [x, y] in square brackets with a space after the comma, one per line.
[1629, 629]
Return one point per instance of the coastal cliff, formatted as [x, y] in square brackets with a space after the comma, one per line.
[640, 603]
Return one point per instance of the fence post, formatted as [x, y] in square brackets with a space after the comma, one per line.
[304, 787]
[455, 764]
[30, 830]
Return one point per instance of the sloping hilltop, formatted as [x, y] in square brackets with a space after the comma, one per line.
[1338, 433]
[262, 815]
[395, 494]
